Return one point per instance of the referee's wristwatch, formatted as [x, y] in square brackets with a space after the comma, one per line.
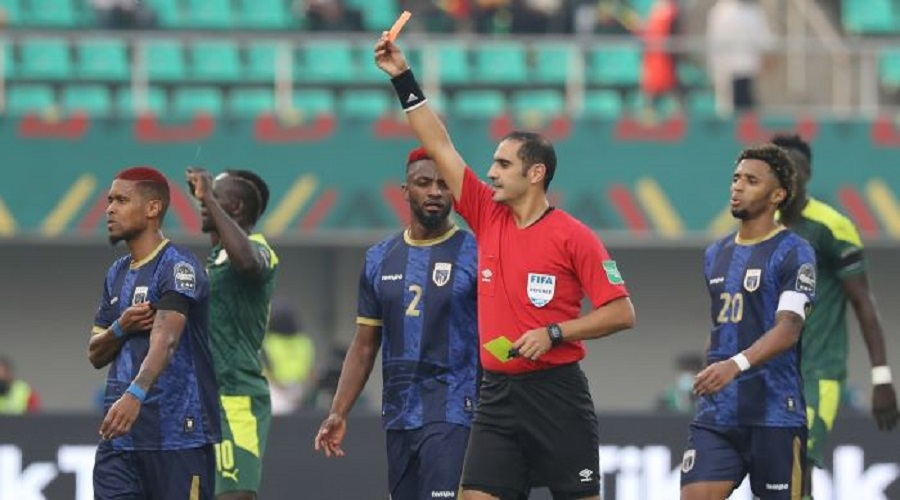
[555, 333]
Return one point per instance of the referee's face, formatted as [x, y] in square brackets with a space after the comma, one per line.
[507, 174]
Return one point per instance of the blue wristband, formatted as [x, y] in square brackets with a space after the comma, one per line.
[117, 329]
[136, 391]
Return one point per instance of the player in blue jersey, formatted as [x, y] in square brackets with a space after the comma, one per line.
[161, 401]
[417, 296]
[751, 417]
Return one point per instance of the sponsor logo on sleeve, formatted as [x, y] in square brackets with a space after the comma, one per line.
[185, 277]
[806, 278]
[612, 272]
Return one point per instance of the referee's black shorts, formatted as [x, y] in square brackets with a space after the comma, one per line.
[534, 429]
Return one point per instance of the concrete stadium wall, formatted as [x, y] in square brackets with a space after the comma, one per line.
[49, 293]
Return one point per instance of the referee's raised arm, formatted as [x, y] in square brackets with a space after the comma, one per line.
[424, 122]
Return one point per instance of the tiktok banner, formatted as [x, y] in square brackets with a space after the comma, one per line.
[51, 457]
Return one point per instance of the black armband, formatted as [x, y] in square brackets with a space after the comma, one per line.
[173, 301]
[408, 90]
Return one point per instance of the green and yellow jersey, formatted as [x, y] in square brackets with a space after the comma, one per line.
[238, 319]
[838, 255]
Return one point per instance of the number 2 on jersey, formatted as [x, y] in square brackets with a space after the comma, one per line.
[413, 308]
[732, 307]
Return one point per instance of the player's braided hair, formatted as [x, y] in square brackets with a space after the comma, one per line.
[778, 160]
[256, 193]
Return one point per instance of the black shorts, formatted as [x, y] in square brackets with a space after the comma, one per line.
[534, 429]
[154, 475]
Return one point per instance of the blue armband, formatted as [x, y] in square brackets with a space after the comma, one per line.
[136, 391]
[117, 329]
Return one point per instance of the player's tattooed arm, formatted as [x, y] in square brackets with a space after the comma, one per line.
[783, 336]
[164, 337]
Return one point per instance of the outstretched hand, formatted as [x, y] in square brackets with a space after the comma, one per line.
[389, 57]
[331, 434]
[199, 181]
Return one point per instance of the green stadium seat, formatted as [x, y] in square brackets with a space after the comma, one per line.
[367, 71]
[45, 58]
[553, 62]
[326, 61]
[378, 15]
[94, 100]
[701, 104]
[501, 63]
[168, 12]
[24, 99]
[9, 62]
[452, 59]
[619, 65]
[368, 104]
[261, 60]
[102, 59]
[637, 102]
[190, 101]
[13, 10]
[263, 14]
[478, 104]
[52, 13]
[314, 102]
[538, 103]
[249, 103]
[642, 7]
[156, 102]
[209, 14]
[164, 59]
[215, 60]
[602, 104]
[890, 68]
[869, 16]
[691, 75]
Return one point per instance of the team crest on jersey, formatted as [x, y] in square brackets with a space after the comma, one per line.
[185, 277]
[440, 275]
[140, 295]
[541, 288]
[752, 279]
[687, 462]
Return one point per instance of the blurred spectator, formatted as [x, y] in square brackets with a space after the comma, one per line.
[330, 15]
[16, 396]
[659, 68]
[493, 17]
[539, 16]
[123, 14]
[289, 354]
[739, 40]
[679, 397]
[614, 18]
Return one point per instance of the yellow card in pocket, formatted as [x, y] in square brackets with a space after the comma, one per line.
[499, 347]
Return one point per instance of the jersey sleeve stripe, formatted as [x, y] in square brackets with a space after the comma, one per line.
[97, 330]
[368, 321]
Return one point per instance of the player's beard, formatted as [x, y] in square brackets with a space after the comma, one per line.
[125, 236]
[740, 214]
[431, 220]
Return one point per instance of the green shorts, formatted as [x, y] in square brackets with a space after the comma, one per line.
[245, 427]
[823, 397]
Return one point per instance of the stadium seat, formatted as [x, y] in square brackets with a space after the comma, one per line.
[478, 104]
[249, 103]
[9, 62]
[188, 102]
[378, 15]
[642, 7]
[52, 13]
[168, 12]
[701, 104]
[637, 103]
[367, 71]
[890, 68]
[452, 59]
[617, 65]
[261, 60]
[45, 58]
[24, 99]
[553, 62]
[602, 104]
[328, 61]
[368, 104]
[13, 10]
[691, 75]
[102, 59]
[869, 16]
[501, 63]
[313, 102]
[156, 102]
[164, 59]
[215, 60]
[209, 14]
[263, 14]
[94, 100]
[538, 103]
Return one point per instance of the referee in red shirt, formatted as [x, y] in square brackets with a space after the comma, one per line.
[535, 424]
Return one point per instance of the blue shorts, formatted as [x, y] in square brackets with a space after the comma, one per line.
[426, 462]
[154, 475]
[775, 458]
